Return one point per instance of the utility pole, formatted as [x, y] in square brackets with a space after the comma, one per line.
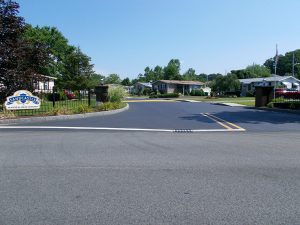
[293, 65]
[275, 70]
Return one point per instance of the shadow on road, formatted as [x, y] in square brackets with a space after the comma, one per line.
[250, 117]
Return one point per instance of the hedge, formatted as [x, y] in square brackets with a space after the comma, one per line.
[170, 95]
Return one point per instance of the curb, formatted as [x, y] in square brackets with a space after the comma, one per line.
[274, 109]
[62, 117]
[263, 108]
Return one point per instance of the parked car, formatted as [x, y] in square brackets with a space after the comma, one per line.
[287, 93]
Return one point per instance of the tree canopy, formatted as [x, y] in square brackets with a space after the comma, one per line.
[222, 84]
[252, 71]
[21, 59]
[285, 64]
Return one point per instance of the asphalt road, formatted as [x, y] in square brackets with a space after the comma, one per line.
[88, 177]
[185, 115]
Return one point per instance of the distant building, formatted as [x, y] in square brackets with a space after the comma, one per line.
[140, 87]
[44, 84]
[289, 82]
[176, 86]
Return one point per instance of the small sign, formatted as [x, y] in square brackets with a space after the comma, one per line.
[22, 100]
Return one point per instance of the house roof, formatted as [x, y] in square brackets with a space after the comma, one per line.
[145, 84]
[184, 82]
[54, 78]
[267, 79]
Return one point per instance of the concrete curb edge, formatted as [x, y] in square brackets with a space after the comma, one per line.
[274, 109]
[62, 117]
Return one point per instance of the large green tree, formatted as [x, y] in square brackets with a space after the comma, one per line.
[77, 72]
[113, 79]
[59, 48]
[172, 70]
[222, 84]
[252, 71]
[20, 59]
[126, 82]
[190, 74]
[285, 64]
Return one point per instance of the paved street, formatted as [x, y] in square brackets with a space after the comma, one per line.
[120, 177]
[185, 115]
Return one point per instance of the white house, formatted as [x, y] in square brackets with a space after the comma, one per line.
[289, 82]
[179, 86]
[44, 85]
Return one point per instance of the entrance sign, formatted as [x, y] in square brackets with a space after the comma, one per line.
[22, 100]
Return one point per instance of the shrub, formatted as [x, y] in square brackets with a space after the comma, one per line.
[111, 106]
[147, 91]
[170, 95]
[280, 99]
[198, 93]
[270, 105]
[6, 114]
[82, 108]
[116, 94]
[60, 111]
[287, 105]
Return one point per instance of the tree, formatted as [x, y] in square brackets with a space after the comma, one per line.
[202, 77]
[159, 73]
[113, 79]
[77, 72]
[223, 84]
[256, 70]
[252, 71]
[172, 70]
[190, 74]
[20, 59]
[57, 45]
[95, 80]
[285, 64]
[126, 82]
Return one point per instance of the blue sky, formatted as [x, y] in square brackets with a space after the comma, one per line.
[211, 36]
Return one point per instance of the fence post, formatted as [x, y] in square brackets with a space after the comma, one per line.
[53, 96]
[89, 97]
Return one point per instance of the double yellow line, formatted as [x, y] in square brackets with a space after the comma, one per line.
[223, 123]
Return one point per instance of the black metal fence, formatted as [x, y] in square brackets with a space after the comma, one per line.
[60, 102]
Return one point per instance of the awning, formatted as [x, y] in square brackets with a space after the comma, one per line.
[296, 84]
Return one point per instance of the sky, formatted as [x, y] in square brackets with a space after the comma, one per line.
[211, 36]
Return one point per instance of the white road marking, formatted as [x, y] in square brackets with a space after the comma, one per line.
[119, 129]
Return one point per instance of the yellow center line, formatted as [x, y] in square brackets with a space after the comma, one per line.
[232, 124]
[218, 122]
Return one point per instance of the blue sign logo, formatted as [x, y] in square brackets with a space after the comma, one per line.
[22, 100]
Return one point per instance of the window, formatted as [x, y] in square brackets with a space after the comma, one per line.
[46, 85]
